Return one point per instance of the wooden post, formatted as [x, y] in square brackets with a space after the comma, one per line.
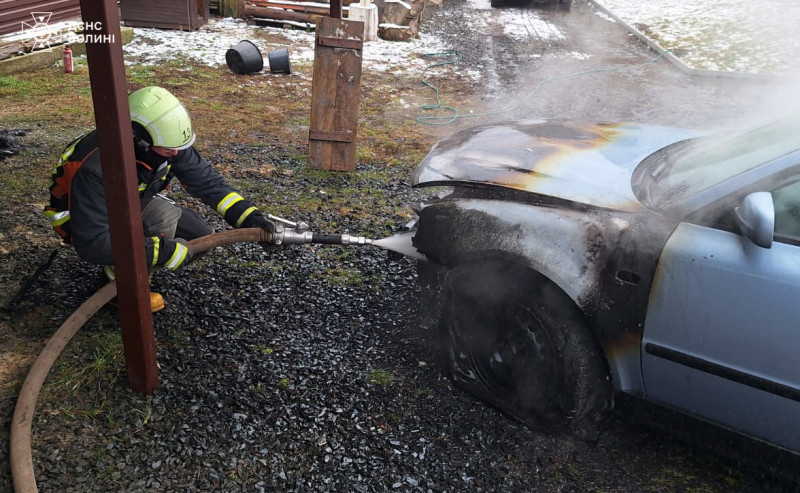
[230, 8]
[112, 116]
[366, 12]
[336, 9]
[335, 94]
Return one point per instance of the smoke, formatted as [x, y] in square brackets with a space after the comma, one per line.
[778, 99]
[598, 72]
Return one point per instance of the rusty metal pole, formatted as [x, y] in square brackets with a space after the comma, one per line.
[112, 115]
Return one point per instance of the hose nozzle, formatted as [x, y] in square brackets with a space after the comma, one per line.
[292, 236]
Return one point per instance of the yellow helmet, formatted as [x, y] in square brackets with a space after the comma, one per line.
[162, 116]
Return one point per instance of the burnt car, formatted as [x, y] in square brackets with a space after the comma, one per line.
[576, 261]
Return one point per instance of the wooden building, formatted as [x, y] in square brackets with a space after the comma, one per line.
[186, 15]
[14, 12]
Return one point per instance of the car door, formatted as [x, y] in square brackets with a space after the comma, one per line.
[722, 331]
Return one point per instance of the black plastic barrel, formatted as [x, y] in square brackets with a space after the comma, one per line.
[279, 61]
[244, 58]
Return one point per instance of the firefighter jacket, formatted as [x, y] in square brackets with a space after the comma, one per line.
[77, 209]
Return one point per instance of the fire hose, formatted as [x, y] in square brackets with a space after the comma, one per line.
[22, 421]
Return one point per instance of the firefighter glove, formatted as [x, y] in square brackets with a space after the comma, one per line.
[259, 221]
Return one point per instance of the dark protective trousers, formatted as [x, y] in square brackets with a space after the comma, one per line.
[162, 216]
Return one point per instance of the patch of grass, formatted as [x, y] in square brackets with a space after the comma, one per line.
[16, 182]
[101, 366]
[140, 75]
[247, 264]
[45, 95]
[679, 473]
[420, 392]
[379, 377]
[146, 412]
[13, 86]
[178, 339]
[343, 277]
[342, 269]
[85, 374]
[262, 349]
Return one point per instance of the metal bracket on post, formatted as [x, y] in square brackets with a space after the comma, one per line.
[349, 43]
[332, 136]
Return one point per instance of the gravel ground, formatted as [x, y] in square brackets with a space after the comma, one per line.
[282, 379]
[311, 369]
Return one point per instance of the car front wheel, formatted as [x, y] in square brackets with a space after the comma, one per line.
[515, 340]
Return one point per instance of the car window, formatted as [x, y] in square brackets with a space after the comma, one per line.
[787, 213]
[699, 164]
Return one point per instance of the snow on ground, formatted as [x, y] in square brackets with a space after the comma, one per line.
[519, 27]
[210, 43]
[730, 35]
[522, 28]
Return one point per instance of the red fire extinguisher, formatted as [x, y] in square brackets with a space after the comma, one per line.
[67, 59]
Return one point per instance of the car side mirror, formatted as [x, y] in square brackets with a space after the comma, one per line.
[756, 218]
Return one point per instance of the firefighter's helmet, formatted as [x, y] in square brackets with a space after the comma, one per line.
[163, 117]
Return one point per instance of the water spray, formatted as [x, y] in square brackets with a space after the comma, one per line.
[297, 233]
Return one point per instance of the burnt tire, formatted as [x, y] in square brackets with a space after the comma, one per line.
[515, 340]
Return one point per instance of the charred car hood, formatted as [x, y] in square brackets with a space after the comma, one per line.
[588, 163]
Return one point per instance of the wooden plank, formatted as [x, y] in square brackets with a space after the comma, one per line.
[174, 14]
[279, 14]
[164, 13]
[336, 9]
[203, 11]
[334, 42]
[12, 49]
[309, 9]
[335, 94]
[14, 13]
[161, 25]
[326, 3]
[23, 8]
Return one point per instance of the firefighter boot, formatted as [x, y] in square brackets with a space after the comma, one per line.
[156, 300]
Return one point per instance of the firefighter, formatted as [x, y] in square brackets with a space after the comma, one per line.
[163, 140]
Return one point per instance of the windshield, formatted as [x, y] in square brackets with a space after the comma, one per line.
[689, 167]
